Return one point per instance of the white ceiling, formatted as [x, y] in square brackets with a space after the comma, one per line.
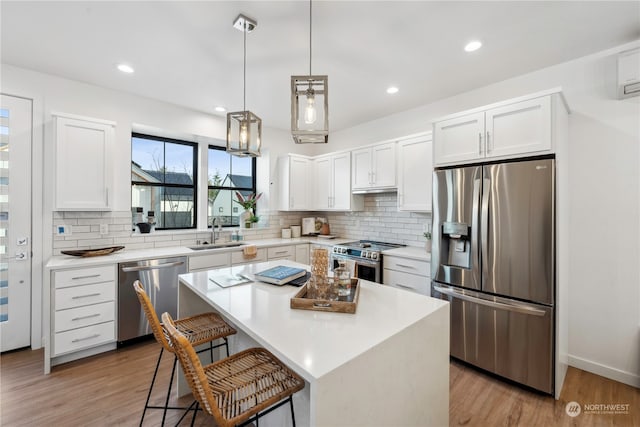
[188, 53]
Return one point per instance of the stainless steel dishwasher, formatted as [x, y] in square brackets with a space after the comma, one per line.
[159, 278]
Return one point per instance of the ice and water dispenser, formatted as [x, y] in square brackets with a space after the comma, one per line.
[455, 244]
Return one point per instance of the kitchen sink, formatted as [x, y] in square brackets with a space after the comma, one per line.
[215, 246]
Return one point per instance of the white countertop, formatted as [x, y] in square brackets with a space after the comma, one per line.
[412, 252]
[313, 343]
[68, 261]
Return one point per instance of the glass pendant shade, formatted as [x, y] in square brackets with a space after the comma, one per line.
[309, 109]
[244, 134]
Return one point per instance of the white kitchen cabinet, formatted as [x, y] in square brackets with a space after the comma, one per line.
[406, 273]
[83, 167]
[302, 254]
[209, 261]
[294, 175]
[238, 258]
[83, 307]
[332, 184]
[415, 170]
[374, 167]
[515, 128]
[281, 252]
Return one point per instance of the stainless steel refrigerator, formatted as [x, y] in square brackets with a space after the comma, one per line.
[493, 260]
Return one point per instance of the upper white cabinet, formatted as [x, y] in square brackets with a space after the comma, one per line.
[83, 179]
[294, 176]
[415, 167]
[374, 167]
[332, 183]
[514, 128]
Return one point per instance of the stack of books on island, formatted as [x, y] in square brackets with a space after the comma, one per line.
[280, 275]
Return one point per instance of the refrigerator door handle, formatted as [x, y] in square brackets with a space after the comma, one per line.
[518, 308]
[484, 226]
[474, 222]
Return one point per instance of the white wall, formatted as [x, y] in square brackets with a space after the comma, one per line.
[604, 179]
[51, 93]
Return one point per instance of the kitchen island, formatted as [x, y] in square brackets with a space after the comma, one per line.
[387, 364]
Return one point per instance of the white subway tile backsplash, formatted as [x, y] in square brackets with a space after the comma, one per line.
[379, 221]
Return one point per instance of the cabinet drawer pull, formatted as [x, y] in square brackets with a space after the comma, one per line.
[404, 286]
[480, 143]
[281, 252]
[85, 317]
[406, 266]
[90, 337]
[85, 277]
[86, 296]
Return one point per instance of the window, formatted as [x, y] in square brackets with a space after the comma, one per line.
[163, 179]
[228, 174]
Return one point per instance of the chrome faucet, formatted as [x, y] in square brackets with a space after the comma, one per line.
[215, 235]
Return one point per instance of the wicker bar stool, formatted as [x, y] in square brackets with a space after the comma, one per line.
[239, 389]
[199, 329]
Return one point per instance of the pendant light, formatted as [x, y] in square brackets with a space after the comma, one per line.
[244, 129]
[309, 104]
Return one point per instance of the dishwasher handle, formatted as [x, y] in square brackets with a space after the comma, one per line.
[152, 267]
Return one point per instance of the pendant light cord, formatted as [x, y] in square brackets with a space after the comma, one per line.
[310, 31]
[244, 69]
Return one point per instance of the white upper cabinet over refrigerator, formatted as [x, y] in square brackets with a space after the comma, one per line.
[515, 128]
[83, 178]
[374, 167]
[415, 170]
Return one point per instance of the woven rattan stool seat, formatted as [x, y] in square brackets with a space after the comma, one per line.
[235, 389]
[203, 328]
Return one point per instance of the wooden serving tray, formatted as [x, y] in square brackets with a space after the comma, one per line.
[346, 304]
[93, 252]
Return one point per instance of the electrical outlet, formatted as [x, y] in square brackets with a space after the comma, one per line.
[63, 230]
[104, 229]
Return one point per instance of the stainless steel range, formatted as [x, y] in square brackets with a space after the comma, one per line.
[364, 257]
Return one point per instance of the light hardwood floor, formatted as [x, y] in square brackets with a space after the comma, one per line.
[110, 389]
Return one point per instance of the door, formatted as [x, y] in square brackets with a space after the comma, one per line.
[322, 182]
[459, 139]
[455, 258]
[299, 183]
[341, 181]
[361, 169]
[415, 170]
[524, 127]
[517, 230]
[384, 165]
[15, 222]
[510, 338]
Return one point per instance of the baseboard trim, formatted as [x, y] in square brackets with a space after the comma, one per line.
[605, 371]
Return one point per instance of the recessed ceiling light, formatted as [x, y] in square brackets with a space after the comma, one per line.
[392, 89]
[220, 109]
[125, 68]
[473, 45]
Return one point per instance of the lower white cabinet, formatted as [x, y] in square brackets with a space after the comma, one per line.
[238, 258]
[281, 252]
[302, 254]
[406, 273]
[83, 307]
[209, 261]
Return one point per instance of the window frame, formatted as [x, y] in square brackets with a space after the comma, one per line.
[194, 186]
[254, 190]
